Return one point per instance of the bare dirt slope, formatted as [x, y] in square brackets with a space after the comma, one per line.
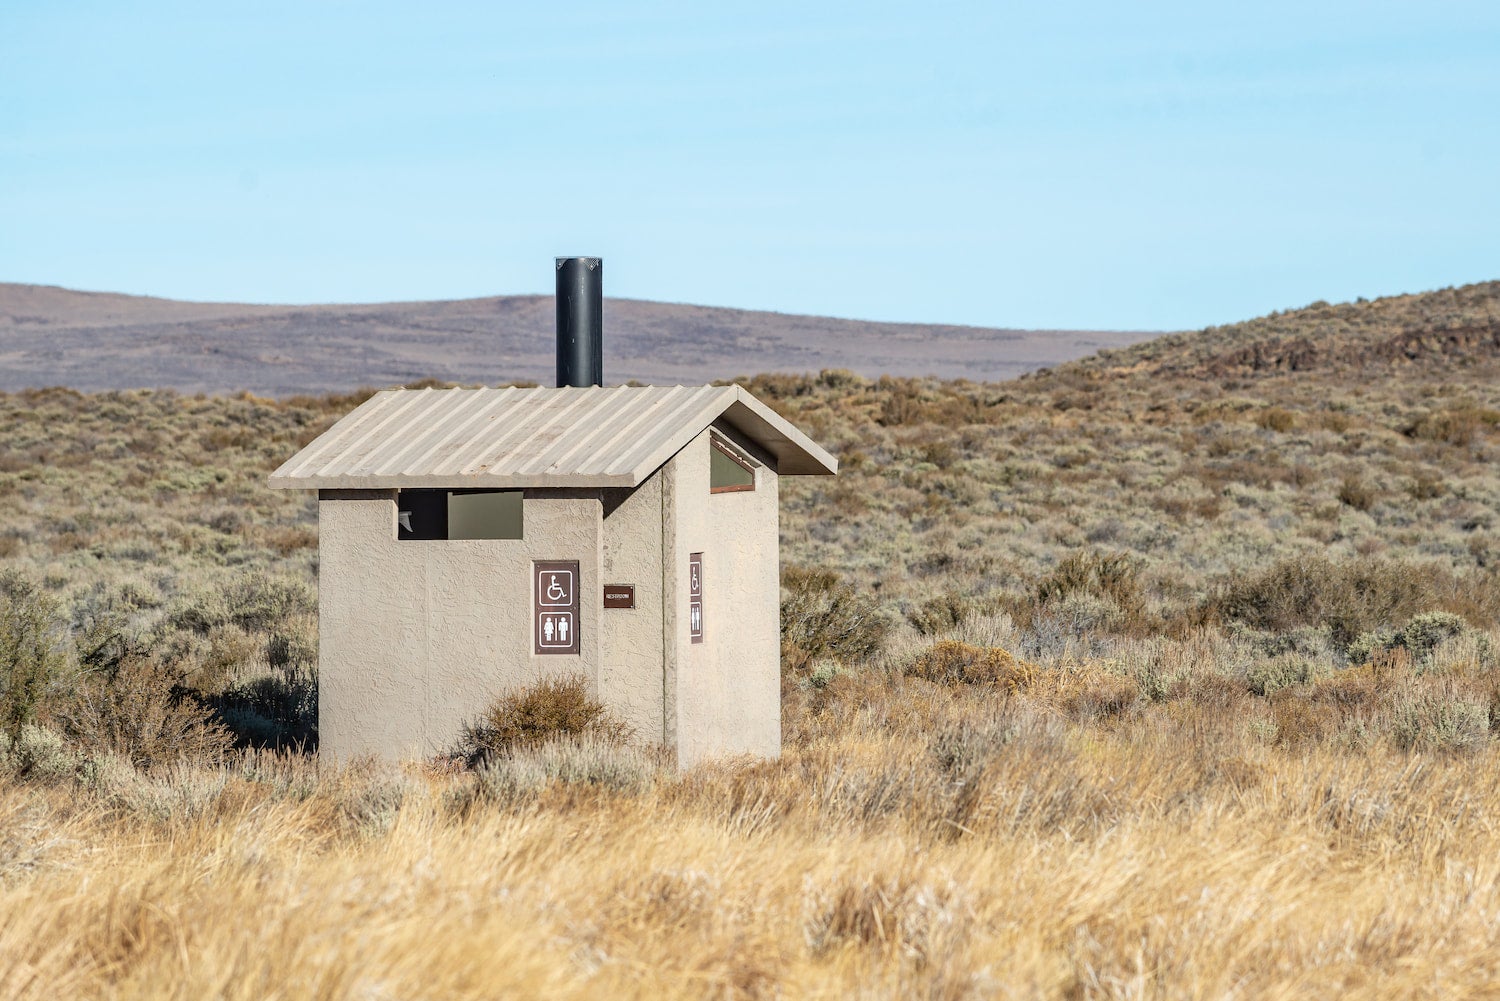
[51, 336]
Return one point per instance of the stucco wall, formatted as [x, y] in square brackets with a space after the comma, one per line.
[630, 664]
[724, 695]
[415, 638]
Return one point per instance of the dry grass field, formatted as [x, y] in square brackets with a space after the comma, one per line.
[1174, 672]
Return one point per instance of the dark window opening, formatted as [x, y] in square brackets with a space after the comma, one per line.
[458, 514]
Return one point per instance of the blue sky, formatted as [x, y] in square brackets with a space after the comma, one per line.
[1145, 165]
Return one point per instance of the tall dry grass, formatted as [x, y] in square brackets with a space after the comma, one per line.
[915, 840]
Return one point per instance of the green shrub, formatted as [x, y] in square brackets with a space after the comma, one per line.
[1446, 720]
[1422, 634]
[1267, 677]
[41, 754]
[531, 716]
[1347, 598]
[823, 618]
[32, 651]
[259, 603]
[1363, 648]
[1421, 637]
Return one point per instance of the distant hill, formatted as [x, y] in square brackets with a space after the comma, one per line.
[1451, 326]
[91, 341]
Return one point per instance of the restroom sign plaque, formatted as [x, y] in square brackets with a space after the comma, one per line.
[695, 597]
[554, 591]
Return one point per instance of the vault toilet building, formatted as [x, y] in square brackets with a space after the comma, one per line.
[474, 541]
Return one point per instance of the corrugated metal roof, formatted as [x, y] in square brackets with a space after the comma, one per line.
[569, 437]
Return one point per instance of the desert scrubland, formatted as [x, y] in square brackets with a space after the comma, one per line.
[1170, 672]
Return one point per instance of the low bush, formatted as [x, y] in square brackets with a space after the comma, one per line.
[1421, 638]
[1357, 493]
[1267, 677]
[32, 651]
[950, 662]
[823, 618]
[277, 710]
[939, 614]
[1422, 634]
[1114, 577]
[1348, 598]
[260, 603]
[1440, 719]
[553, 707]
[140, 709]
[586, 760]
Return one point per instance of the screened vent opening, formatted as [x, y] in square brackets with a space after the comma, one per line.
[728, 471]
[426, 515]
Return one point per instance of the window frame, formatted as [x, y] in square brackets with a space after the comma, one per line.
[737, 457]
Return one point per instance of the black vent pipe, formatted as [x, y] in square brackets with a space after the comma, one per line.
[580, 321]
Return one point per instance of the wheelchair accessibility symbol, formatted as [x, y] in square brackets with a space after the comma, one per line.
[555, 588]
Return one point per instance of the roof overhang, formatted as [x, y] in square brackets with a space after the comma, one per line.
[535, 438]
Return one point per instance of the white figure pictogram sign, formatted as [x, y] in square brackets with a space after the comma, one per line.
[695, 597]
[555, 607]
[557, 630]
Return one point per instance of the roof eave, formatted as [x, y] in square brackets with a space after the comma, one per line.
[569, 481]
[796, 454]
